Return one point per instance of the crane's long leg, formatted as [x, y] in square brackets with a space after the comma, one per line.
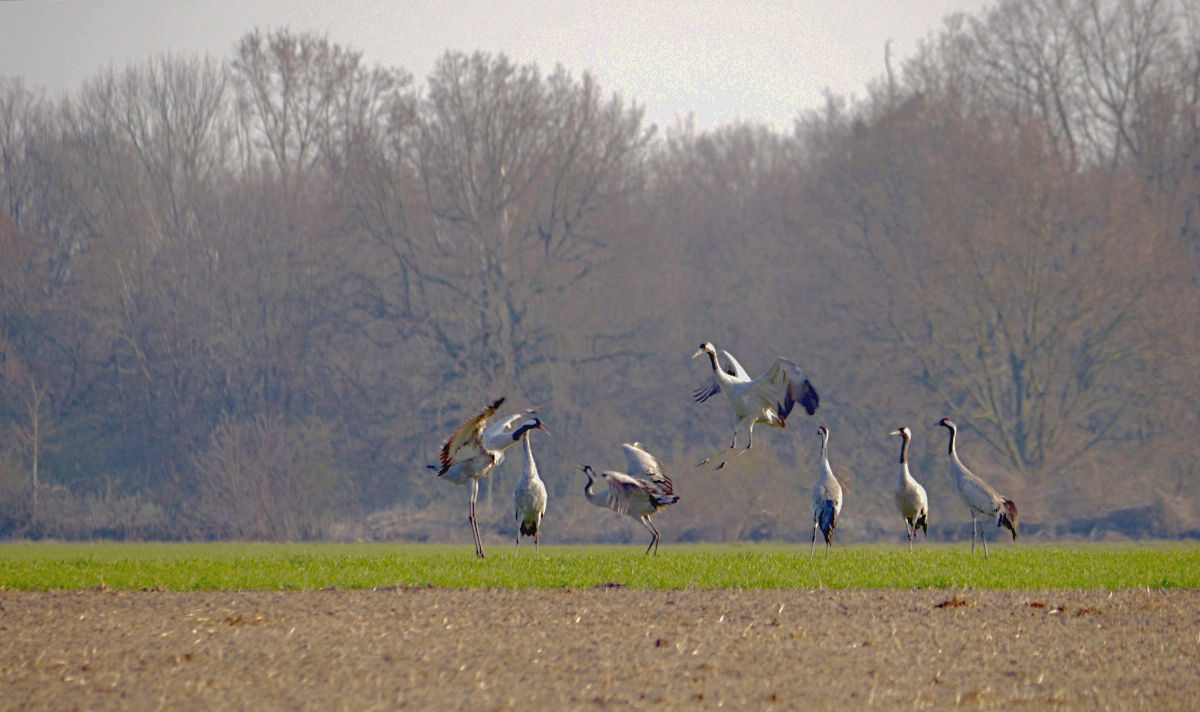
[654, 533]
[750, 437]
[910, 531]
[726, 450]
[474, 524]
[983, 535]
[974, 529]
[517, 549]
[813, 551]
[536, 536]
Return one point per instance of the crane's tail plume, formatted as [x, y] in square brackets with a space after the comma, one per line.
[828, 520]
[923, 524]
[1008, 517]
[529, 528]
[664, 501]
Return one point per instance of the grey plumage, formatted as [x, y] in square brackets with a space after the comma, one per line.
[910, 496]
[472, 452]
[529, 500]
[639, 492]
[826, 498]
[980, 497]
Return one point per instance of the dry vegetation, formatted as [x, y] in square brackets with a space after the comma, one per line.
[248, 296]
[611, 647]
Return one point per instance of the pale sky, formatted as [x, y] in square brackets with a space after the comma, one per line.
[753, 60]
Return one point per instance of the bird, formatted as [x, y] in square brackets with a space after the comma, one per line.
[470, 453]
[767, 399]
[639, 492]
[910, 495]
[826, 498]
[529, 500]
[978, 495]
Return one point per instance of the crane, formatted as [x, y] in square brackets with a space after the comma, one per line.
[639, 492]
[910, 495]
[826, 498]
[470, 453]
[767, 399]
[529, 500]
[978, 495]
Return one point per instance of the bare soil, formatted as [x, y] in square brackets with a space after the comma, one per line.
[601, 648]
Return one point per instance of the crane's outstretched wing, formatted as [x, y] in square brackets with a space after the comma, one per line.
[643, 465]
[731, 367]
[622, 489]
[468, 435]
[505, 425]
[784, 385]
[707, 390]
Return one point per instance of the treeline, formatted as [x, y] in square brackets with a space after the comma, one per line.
[249, 297]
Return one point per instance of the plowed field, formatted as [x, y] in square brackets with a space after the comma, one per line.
[600, 648]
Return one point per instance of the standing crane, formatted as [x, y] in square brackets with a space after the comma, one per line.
[826, 498]
[470, 453]
[767, 399]
[639, 492]
[910, 495]
[529, 501]
[978, 495]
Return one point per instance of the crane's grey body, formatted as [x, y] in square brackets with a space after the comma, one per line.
[767, 399]
[910, 495]
[529, 500]
[980, 497]
[826, 498]
[639, 492]
[472, 452]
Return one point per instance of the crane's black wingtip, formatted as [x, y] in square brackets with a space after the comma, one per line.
[809, 398]
[499, 402]
[705, 391]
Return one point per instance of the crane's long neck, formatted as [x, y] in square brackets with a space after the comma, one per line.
[596, 499]
[956, 467]
[904, 475]
[826, 469]
[529, 471]
[723, 378]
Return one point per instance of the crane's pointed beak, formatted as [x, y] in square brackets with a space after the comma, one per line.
[698, 352]
[540, 426]
[895, 432]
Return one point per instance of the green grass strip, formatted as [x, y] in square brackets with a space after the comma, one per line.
[211, 566]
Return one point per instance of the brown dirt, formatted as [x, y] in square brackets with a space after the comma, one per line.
[604, 648]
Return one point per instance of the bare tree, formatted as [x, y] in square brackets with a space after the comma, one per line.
[264, 479]
[22, 119]
[516, 170]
